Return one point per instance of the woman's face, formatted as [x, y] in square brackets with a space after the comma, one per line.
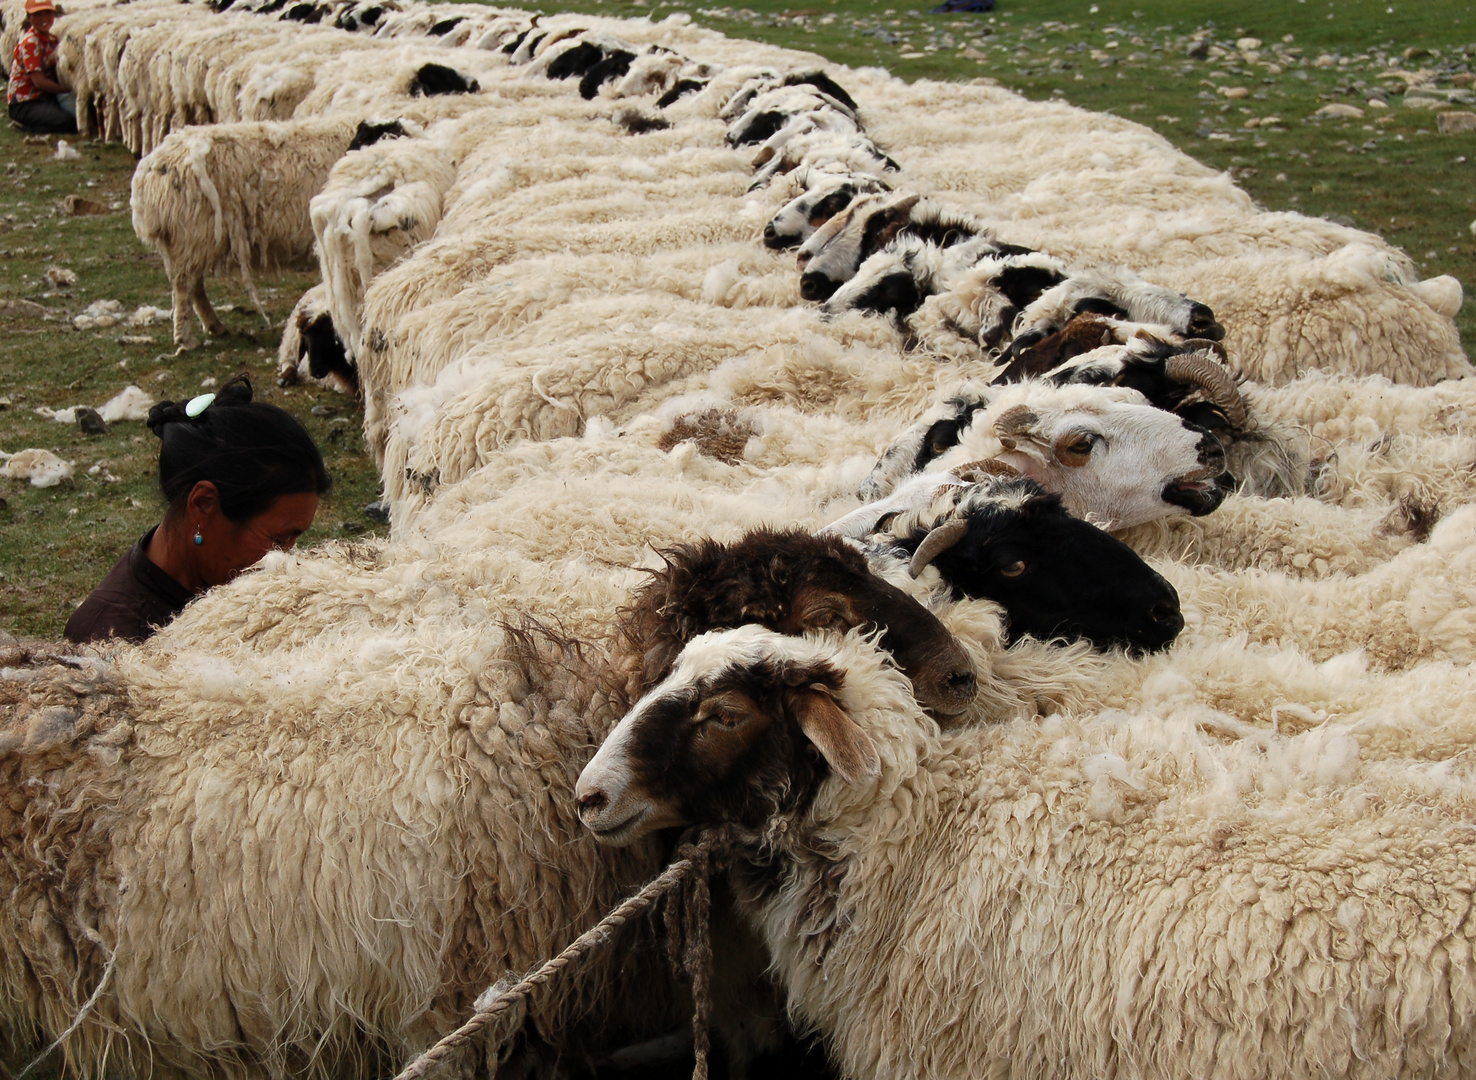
[229, 547]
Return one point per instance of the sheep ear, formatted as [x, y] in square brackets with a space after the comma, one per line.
[843, 745]
[896, 216]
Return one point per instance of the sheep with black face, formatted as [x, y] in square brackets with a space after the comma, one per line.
[1004, 538]
[835, 252]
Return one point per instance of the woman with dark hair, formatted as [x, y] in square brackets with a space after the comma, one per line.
[241, 478]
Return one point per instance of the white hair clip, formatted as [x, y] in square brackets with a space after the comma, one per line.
[198, 405]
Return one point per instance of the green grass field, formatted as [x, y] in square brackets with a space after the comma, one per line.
[1174, 66]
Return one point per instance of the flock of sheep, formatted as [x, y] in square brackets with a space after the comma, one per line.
[824, 546]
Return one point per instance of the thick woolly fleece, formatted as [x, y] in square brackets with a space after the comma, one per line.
[1146, 893]
[309, 862]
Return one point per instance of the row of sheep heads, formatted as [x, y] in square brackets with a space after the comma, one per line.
[750, 691]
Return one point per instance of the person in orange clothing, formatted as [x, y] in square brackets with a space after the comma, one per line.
[33, 97]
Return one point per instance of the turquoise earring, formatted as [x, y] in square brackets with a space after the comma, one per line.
[198, 538]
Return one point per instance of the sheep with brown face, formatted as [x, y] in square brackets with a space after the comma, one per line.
[456, 800]
[1052, 898]
[791, 582]
[744, 728]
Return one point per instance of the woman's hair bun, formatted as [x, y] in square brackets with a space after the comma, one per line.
[236, 391]
[165, 412]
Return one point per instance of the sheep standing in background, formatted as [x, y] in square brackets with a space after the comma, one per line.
[1055, 899]
[232, 195]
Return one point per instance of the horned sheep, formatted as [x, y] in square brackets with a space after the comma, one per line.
[1080, 874]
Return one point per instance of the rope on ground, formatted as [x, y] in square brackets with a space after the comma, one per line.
[699, 856]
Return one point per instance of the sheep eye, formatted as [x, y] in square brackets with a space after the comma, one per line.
[726, 715]
[1015, 569]
[1082, 446]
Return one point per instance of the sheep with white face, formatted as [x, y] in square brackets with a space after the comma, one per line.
[1111, 457]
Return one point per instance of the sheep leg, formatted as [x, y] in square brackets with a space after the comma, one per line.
[184, 330]
[208, 318]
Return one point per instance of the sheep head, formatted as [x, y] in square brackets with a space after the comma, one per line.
[744, 728]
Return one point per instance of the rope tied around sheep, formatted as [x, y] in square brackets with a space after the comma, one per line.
[687, 923]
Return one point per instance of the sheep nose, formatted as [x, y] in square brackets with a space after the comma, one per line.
[963, 683]
[1211, 452]
[771, 235]
[592, 801]
[1167, 615]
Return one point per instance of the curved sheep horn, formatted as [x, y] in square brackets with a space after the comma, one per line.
[1015, 421]
[1206, 345]
[985, 466]
[1218, 386]
[936, 543]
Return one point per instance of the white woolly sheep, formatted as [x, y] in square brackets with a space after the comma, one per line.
[1053, 898]
[1101, 449]
[294, 924]
[232, 195]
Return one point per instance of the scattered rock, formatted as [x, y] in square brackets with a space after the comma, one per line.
[352, 527]
[323, 410]
[1198, 50]
[1338, 109]
[65, 152]
[89, 421]
[378, 511]
[1429, 97]
[81, 206]
[1377, 103]
[21, 309]
[1274, 69]
[1450, 123]
[60, 276]
[1414, 52]
[1246, 44]
[1324, 61]
[1463, 81]
[136, 339]
[1234, 92]
[41, 467]
[38, 140]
